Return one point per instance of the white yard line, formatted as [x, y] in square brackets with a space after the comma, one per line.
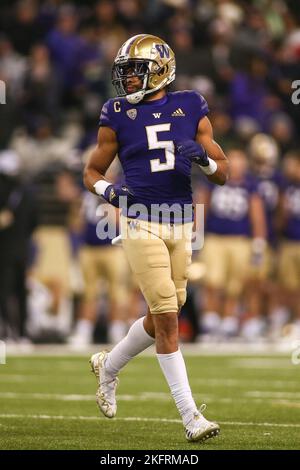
[47, 396]
[262, 363]
[256, 397]
[22, 378]
[286, 403]
[242, 382]
[271, 394]
[140, 419]
[211, 349]
[227, 382]
[146, 396]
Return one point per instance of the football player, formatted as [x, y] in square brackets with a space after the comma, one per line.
[263, 295]
[289, 258]
[157, 135]
[235, 236]
[100, 263]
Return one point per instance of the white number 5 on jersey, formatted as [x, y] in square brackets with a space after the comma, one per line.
[167, 145]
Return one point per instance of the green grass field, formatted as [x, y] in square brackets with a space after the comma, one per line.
[49, 403]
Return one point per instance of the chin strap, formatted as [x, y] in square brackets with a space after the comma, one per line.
[135, 98]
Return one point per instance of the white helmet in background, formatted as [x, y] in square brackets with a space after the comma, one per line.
[264, 154]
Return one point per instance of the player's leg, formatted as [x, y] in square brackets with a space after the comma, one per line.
[197, 427]
[135, 299]
[161, 295]
[53, 244]
[106, 366]
[256, 295]
[237, 266]
[166, 338]
[150, 262]
[213, 255]
[115, 269]
[289, 275]
[149, 325]
[84, 328]
[137, 340]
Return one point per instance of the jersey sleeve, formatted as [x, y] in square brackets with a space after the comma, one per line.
[107, 117]
[200, 105]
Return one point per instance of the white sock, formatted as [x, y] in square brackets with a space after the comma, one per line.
[136, 341]
[174, 370]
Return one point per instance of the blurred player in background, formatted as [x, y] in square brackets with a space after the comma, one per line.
[235, 239]
[57, 198]
[18, 219]
[157, 135]
[263, 292]
[105, 266]
[289, 258]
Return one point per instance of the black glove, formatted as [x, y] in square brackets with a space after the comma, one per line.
[113, 193]
[191, 149]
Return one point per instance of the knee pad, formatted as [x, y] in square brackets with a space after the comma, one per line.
[161, 296]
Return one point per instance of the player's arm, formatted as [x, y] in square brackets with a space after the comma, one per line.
[214, 152]
[206, 153]
[257, 217]
[202, 196]
[98, 164]
[101, 158]
[259, 229]
[281, 215]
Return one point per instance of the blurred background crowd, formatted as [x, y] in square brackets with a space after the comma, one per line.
[58, 281]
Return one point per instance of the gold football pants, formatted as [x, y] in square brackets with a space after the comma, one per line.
[159, 255]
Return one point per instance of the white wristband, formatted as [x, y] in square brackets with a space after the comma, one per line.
[258, 244]
[211, 168]
[100, 187]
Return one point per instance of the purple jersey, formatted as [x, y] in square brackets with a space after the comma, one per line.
[147, 133]
[269, 190]
[292, 208]
[228, 213]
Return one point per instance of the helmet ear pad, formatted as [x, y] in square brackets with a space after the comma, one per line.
[156, 78]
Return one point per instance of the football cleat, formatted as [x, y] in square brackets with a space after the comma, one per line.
[106, 392]
[199, 428]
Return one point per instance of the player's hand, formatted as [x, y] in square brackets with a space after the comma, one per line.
[258, 251]
[191, 149]
[114, 192]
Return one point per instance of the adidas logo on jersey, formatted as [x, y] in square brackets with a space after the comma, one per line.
[178, 112]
